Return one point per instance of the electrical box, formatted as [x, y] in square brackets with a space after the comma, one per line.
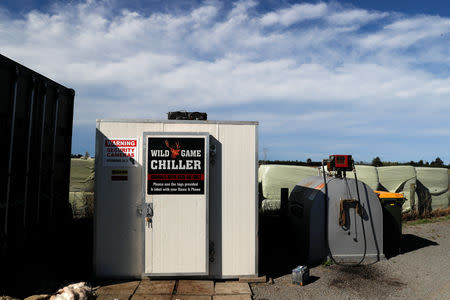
[340, 163]
[176, 198]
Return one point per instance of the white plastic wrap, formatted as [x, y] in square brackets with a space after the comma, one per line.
[366, 174]
[398, 179]
[269, 206]
[261, 170]
[436, 181]
[276, 177]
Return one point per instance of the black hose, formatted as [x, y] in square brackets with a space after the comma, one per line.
[361, 212]
[326, 211]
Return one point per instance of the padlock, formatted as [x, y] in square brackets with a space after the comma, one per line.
[149, 221]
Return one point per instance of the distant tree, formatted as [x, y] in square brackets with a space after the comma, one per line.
[376, 162]
[427, 164]
[308, 161]
[437, 162]
[420, 163]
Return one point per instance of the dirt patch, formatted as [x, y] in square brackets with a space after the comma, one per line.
[358, 278]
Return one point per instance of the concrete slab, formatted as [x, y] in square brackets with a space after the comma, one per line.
[151, 297]
[155, 287]
[232, 297]
[195, 287]
[190, 297]
[123, 288]
[232, 288]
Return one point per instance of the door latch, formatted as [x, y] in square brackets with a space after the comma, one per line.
[149, 214]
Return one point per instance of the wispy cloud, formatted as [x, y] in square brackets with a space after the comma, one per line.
[294, 14]
[355, 67]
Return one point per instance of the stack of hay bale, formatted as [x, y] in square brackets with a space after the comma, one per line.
[368, 175]
[398, 179]
[428, 188]
[435, 181]
[81, 192]
[274, 177]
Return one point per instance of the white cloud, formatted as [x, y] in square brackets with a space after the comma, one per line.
[409, 32]
[210, 58]
[293, 14]
[354, 16]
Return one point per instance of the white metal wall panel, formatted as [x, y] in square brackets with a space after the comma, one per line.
[118, 224]
[238, 204]
[211, 128]
[232, 202]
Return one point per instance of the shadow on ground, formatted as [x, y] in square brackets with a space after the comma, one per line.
[51, 258]
[411, 242]
[277, 255]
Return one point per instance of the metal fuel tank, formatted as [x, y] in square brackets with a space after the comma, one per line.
[337, 217]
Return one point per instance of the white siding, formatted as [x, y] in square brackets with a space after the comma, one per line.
[238, 204]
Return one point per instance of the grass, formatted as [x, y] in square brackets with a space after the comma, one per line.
[427, 220]
[327, 262]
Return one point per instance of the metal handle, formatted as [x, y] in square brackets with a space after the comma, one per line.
[149, 214]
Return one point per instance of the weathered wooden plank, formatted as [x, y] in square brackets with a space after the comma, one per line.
[195, 287]
[232, 288]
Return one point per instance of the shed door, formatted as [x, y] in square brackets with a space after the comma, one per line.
[176, 200]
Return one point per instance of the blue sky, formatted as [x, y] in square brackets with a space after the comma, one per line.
[369, 78]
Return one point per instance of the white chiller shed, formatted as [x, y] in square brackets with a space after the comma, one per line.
[176, 198]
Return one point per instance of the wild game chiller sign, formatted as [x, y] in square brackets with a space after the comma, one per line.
[176, 165]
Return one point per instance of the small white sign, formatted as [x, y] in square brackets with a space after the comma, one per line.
[120, 152]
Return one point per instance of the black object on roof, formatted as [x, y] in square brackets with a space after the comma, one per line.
[185, 115]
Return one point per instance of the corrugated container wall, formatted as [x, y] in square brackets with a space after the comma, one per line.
[36, 116]
[177, 242]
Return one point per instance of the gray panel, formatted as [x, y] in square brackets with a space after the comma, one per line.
[363, 239]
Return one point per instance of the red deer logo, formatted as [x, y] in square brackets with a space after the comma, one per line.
[174, 151]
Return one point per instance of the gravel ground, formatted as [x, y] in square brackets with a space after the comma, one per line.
[421, 272]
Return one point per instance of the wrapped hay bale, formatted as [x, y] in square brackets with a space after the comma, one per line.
[436, 182]
[366, 174]
[89, 183]
[276, 177]
[261, 170]
[80, 170]
[81, 195]
[398, 179]
[270, 207]
[82, 204]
